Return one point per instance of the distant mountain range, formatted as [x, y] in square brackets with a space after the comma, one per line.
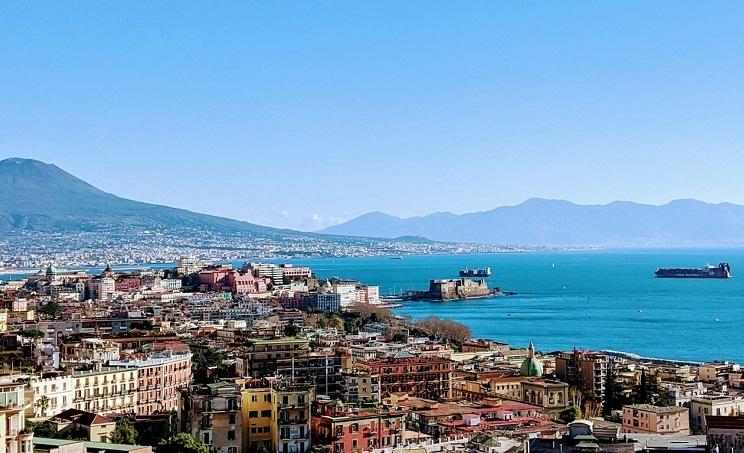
[541, 222]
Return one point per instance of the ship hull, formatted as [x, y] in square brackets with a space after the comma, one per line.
[722, 271]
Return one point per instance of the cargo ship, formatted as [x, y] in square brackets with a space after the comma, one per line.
[485, 272]
[723, 270]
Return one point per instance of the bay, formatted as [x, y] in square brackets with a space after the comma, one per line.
[585, 299]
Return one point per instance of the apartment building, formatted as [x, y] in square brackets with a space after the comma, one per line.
[211, 413]
[14, 437]
[105, 390]
[346, 429]
[586, 370]
[424, 377]
[648, 419]
[160, 376]
[716, 405]
[52, 395]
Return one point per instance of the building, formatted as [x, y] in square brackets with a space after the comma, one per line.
[160, 376]
[648, 419]
[359, 386]
[347, 291]
[211, 413]
[717, 405]
[424, 377]
[329, 302]
[717, 372]
[551, 395]
[346, 429]
[291, 416]
[256, 411]
[52, 395]
[105, 390]
[188, 265]
[291, 358]
[583, 369]
[73, 422]
[14, 437]
[725, 434]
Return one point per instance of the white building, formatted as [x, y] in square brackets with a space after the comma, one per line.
[347, 291]
[14, 438]
[713, 405]
[52, 395]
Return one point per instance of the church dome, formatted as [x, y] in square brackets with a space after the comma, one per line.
[531, 367]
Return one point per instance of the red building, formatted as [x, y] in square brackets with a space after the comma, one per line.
[349, 430]
[126, 284]
[423, 377]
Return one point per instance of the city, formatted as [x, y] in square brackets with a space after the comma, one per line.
[371, 226]
[269, 358]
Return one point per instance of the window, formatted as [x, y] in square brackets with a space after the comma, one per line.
[232, 419]
[266, 413]
[231, 435]
[252, 414]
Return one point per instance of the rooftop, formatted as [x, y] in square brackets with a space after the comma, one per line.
[656, 409]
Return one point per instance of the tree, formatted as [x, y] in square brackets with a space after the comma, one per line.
[258, 447]
[51, 310]
[290, 329]
[45, 429]
[124, 433]
[570, 414]
[643, 389]
[183, 443]
[444, 329]
[43, 404]
[614, 397]
[33, 334]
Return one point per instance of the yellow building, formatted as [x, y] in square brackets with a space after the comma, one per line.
[3, 320]
[256, 413]
[276, 414]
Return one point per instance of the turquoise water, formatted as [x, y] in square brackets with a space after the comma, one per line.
[597, 299]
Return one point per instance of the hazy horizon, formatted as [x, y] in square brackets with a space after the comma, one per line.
[308, 115]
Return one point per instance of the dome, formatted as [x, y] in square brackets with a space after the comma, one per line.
[51, 270]
[531, 367]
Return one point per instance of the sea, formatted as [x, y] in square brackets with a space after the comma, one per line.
[599, 299]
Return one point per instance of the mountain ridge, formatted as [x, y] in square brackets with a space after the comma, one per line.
[556, 222]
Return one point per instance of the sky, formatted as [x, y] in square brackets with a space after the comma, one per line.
[306, 114]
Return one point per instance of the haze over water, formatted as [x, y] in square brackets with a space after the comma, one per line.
[589, 299]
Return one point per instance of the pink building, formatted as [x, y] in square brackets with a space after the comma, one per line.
[160, 376]
[213, 279]
[245, 283]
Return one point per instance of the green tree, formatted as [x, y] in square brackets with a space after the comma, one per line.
[45, 429]
[51, 310]
[124, 433]
[290, 329]
[614, 396]
[33, 334]
[570, 414]
[183, 443]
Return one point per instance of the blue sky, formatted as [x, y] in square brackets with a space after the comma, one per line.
[303, 114]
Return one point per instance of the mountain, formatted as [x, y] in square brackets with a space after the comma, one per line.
[541, 222]
[37, 196]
